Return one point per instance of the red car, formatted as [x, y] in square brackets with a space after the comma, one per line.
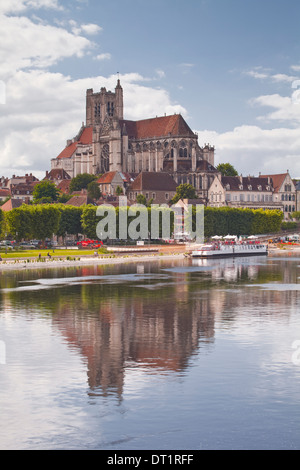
[90, 243]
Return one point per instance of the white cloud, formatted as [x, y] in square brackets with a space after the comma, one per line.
[45, 109]
[261, 73]
[25, 44]
[17, 6]
[286, 109]
[252, 149]
[104, 56]
[160, 73]
[89, 29]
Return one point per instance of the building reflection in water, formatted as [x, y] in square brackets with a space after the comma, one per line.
[152, 316]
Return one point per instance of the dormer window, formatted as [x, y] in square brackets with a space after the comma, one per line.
[228, 187]
[259, 187]
[250, 187]
[241, 187]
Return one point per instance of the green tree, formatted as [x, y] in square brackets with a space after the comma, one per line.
[89, 221]
[2, 221]
[184, 191]
[64, 198]
[45, 220]
[93, 190]
[45, 192]
[81, 182]
[5, 200]
[227, 169]
[20, 222]
[296, 215]
[70, 220]
[141, 199]
[119, 191]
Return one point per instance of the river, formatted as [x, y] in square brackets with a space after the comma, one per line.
[160, 355]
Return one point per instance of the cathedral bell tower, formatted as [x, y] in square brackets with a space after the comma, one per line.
[102, 104]
[104, 110]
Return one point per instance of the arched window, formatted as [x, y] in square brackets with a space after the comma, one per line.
[105, 159]
[97, 110]
[110, 108]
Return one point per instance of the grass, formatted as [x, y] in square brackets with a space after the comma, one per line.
[35, 253]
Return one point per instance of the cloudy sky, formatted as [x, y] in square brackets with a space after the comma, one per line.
[231, 67]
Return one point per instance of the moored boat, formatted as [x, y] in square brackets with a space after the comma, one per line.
[223, 250]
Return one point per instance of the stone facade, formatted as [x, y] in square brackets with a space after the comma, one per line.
[109, 143]
[243, 192]
[159, 188]
[284, 192]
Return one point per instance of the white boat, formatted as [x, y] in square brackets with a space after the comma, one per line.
[229, 250]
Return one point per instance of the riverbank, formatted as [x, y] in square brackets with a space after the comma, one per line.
[73, 260]
[84, 261]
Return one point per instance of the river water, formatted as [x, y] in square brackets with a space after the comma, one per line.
[160, 355]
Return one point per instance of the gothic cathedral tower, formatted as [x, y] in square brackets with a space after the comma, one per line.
[103, 104]
[104, 110]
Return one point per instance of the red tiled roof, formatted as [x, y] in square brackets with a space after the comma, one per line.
[11, 204]
[107, 177]
[57, 174]
[68, 151]
[4, 192]
[204, 165]
[157, 127]
[64, 186]
[85, 138]
[153, 181]
[77, 201]
[277, 180]
[235, 182]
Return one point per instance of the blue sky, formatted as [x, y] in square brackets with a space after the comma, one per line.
[229, 66]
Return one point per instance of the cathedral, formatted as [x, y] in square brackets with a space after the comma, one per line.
[107, 142]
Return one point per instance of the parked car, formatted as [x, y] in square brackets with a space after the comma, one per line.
[90, 244]
[7, 243]
[26, 245]
[36, 243]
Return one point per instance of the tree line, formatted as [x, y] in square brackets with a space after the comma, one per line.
[41, 221]
[235, 221]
